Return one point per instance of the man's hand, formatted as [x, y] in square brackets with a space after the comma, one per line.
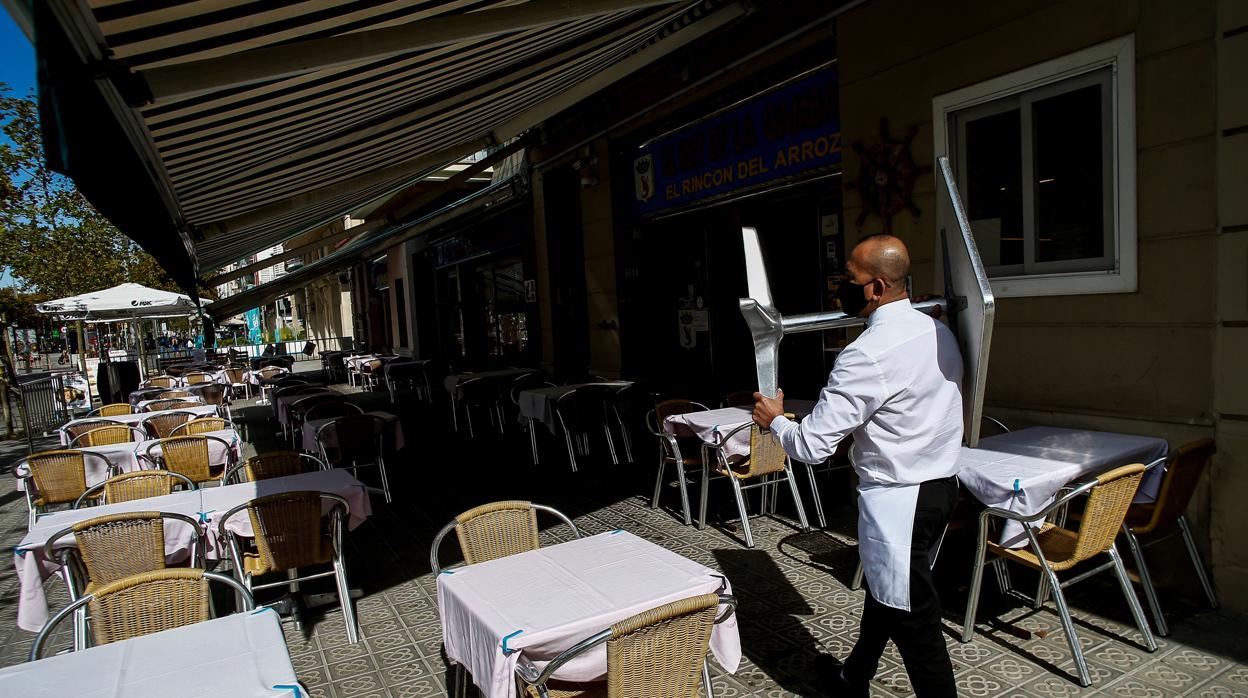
[767, 408]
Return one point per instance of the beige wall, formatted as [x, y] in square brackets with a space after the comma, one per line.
[1139, 362]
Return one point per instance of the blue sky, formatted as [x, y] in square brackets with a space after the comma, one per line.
[17, 56]
[17, 68]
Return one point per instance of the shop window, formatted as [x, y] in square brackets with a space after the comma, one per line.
[1045, 162]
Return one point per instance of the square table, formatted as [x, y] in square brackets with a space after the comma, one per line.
[538, 404]
[205, 505]
[710, 426]
[538, 603]
[243, 655]
[1022, 471]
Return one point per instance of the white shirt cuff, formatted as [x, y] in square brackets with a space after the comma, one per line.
[781, 424]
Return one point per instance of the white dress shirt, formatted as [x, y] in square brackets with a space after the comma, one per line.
[898, 389]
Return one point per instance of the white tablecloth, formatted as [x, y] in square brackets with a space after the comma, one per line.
[33, 568]
[242, 655]
[136, 419]
[1023, 470]
[711, 425]
[544, 601]
[205, 505]
[539, 404]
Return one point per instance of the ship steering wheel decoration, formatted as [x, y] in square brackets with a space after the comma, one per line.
[886, 177]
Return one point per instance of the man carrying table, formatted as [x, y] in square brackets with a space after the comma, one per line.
[897, 390]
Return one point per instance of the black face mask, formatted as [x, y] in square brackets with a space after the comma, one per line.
[853, 302]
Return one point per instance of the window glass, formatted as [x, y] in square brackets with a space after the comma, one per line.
[994, 192]
[1068, 176]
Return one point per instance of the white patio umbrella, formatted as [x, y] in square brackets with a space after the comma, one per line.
[121, 302]
[129, 302]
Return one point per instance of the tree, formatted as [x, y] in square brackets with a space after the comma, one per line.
[51, 239]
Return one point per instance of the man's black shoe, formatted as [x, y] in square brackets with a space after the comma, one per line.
[832, 680]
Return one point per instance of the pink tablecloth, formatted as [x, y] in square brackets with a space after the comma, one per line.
[543, 601]
[711, 425]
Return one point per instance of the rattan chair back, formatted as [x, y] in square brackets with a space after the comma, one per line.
[767, 456]
[1104, 512]
[148, 603]
[355, 438]
[274, 464]
[105, 436]
[173, 394]
[213, 394]
[161, 405]
[187, 455]
[162, 381]
[115, 409]
[139, 484]
[271, 372]
[496, 530]
[200, 425]
[161, 426]
[59, 476]
[117, 546]
[659, 653]
[1178, 484]
[236, 375]
[288, 532]
[77, 429]
[193, 377]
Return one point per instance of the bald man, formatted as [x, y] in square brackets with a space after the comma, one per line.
[897, 389]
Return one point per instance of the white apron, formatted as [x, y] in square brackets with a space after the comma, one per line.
[885, 526]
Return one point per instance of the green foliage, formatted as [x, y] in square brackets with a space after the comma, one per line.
[17, 309]
[51, 239]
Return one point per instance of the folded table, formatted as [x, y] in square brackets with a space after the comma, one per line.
[538, 603]
[243, 655]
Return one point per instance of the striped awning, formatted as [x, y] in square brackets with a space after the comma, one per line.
[211, 129]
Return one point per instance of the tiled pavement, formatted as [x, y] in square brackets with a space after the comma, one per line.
[795, 607]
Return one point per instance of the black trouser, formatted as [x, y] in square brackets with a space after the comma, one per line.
[917, 633]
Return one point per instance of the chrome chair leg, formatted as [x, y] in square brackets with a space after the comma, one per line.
[1146, 581]
[1132, 600]
[977, 580]
[814, 490]
[1196, 562]
[344, 598]
[797, 497]
[859, 573]
[706, 481]
[1068, 625]
[684, 492]
[745, 515]
[708, 687]
[533, 441]
[658, 480]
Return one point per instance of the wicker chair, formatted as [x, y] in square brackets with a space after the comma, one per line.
[161, 382]
[108, 548]
[1055, 549]
[139, 484]
[582, 412]
[355, 442]
[1164, 518]
[297, 410]
[160, 426]
[190, 456]
[115, 409]
[767, 463]
[202, 425]
[57, 477]
[77, 428]
[271, 465]
[145, 603]
[290, 533]
[495, 530]
[236, 376]
[266, 376]
[106, 436]
[670, 450]
[371, 372]
[659, 653]
[216, 394]
[197, 377]
[161, 405]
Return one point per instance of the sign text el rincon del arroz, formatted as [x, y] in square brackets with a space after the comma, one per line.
[791, 129]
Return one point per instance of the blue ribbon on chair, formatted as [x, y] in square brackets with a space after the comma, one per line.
[1017, 489]
[506, 649]
[293, 688]
[203, 516]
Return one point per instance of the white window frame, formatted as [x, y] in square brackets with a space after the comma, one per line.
[1119, 55]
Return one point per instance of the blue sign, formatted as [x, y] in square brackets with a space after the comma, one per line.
[791, 129]
[255, 335]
